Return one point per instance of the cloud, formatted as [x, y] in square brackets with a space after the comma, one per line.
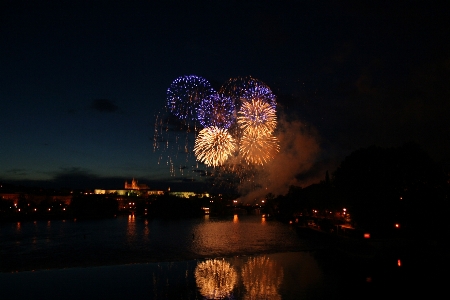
[17, 172]
[104, 105]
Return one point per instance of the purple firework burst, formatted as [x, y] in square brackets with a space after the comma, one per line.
[185, 95]
[216, 110]
[242, 89]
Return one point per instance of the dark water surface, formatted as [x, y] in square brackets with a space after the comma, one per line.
[61, 244]
[236, 257]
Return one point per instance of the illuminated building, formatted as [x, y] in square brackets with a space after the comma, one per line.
[188, 194]
[131, 189]
[30, 197]
[129, 192]
[135, 186]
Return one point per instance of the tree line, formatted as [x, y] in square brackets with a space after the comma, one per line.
[379, 187]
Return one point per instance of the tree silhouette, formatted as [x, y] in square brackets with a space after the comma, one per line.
[384, 186]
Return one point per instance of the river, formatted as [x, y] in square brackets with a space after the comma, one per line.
[233, 257]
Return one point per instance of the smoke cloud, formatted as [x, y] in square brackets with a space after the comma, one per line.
[299, 150]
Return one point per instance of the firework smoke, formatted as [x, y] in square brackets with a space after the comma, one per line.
[299, 149]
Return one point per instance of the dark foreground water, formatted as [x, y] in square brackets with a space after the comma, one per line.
[240, 257]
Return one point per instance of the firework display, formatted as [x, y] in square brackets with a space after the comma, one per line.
[216, 110]
[257, 118]
[230, 131]
[213, 146]
[241, 89]
[185, 94]
[258, 148]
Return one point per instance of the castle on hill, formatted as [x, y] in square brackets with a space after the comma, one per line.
[134, 185]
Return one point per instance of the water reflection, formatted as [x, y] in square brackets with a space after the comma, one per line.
[215, 278]
[131, 228]
[318, 274]
[146, 233]
[294, 275]
[262, 278]
[50, 244]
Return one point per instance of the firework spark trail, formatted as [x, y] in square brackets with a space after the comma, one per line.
[185, 95]
[241, 89]
[233, 135]
[258, 148]
[216, 110]
[213, 146]
[257, 118]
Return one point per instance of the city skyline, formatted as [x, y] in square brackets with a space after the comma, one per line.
[82, 83]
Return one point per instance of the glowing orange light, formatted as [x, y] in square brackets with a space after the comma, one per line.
[215, 278]
[367, 235]
[213, 146]
[262, 278]
[399, 263]
[397, 225]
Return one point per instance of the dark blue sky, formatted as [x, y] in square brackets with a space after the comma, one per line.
[82, 81]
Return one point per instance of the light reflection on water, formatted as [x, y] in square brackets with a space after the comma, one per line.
[131, 229]
[262, 278]
[131, 239]
[215, 278]
[244, 235]
[236, 257]
[292, 275]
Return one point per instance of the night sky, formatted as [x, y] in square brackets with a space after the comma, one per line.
[81, 82]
